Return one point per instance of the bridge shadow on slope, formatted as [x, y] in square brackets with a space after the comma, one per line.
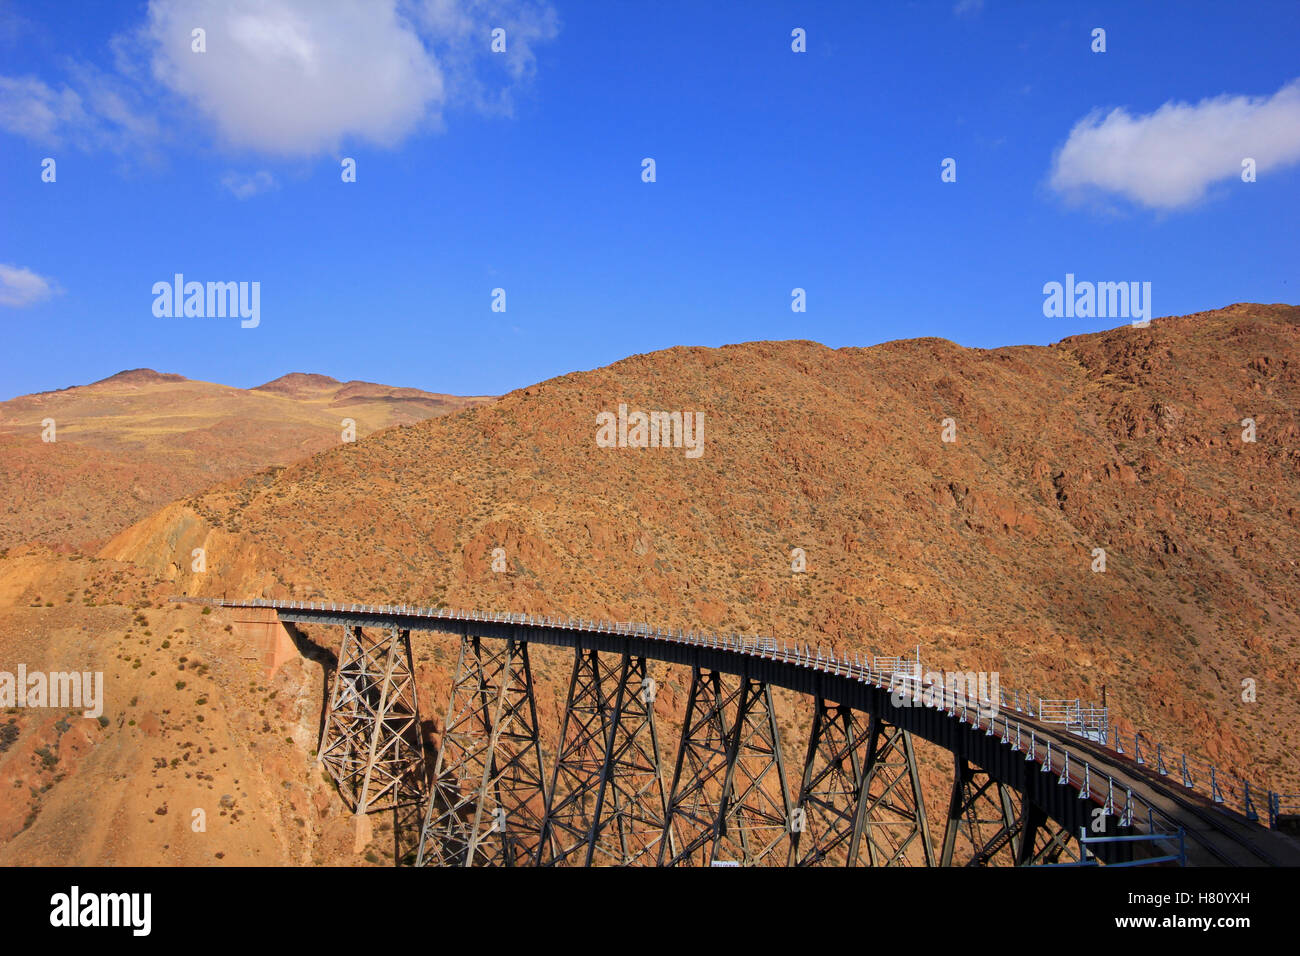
[326, 658]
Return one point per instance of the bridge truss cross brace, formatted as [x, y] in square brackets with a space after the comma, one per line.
[860, 786]
[729, 797]
[488, 798]
[989, 822]
[1042, 840]
[607, 791]
[371, 744]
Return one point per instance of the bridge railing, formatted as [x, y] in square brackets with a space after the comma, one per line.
[1069, 768]
[1173, 846]
[1059, 712]
[1086, 720]
[1194, 773]
[898, 665]
[1282, 805]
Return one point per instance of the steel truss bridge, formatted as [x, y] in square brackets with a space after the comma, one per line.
[1024, 791]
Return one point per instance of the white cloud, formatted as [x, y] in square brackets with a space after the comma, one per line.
[298, 77]
[294, 77]
[1169, 158]
[462, 33]
[968, 7]
[12, 26]
[30, 107]
[244, 186]
[286, 78]
[20, 286]
[103, 118]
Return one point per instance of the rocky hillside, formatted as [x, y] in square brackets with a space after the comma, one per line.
[981, 550]
[197, 759]
[128, 444]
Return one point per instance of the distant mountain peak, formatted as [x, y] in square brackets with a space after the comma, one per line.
[297, 381]
[140, 376]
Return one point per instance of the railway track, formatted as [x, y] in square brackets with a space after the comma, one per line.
[1228, 837]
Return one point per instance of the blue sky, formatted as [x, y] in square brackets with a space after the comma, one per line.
[522, 171]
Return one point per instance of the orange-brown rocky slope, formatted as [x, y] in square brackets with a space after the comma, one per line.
[124, 446]
[981, 550]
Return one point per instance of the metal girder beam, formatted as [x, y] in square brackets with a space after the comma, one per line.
[984, 818]
[488, 798]
[860, 785]
[371, 743]
[730, 801]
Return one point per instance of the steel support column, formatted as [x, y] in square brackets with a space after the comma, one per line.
[371, 743]
[893, 806]
[729, 795]
[1034, 821]
[860, 785]
[1050, 842]
[983, 817]
[631, 807]
[589, 713]
[488, 798]
[755, 820]
[607, 791]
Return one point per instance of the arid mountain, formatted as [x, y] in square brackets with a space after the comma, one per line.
[197, 759]
[130, 443]
[298, 383]
[983, 550]
[190, 720]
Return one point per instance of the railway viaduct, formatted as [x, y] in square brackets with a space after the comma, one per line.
[1025, 789]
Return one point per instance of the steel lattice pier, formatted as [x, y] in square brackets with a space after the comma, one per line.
[612, 796]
